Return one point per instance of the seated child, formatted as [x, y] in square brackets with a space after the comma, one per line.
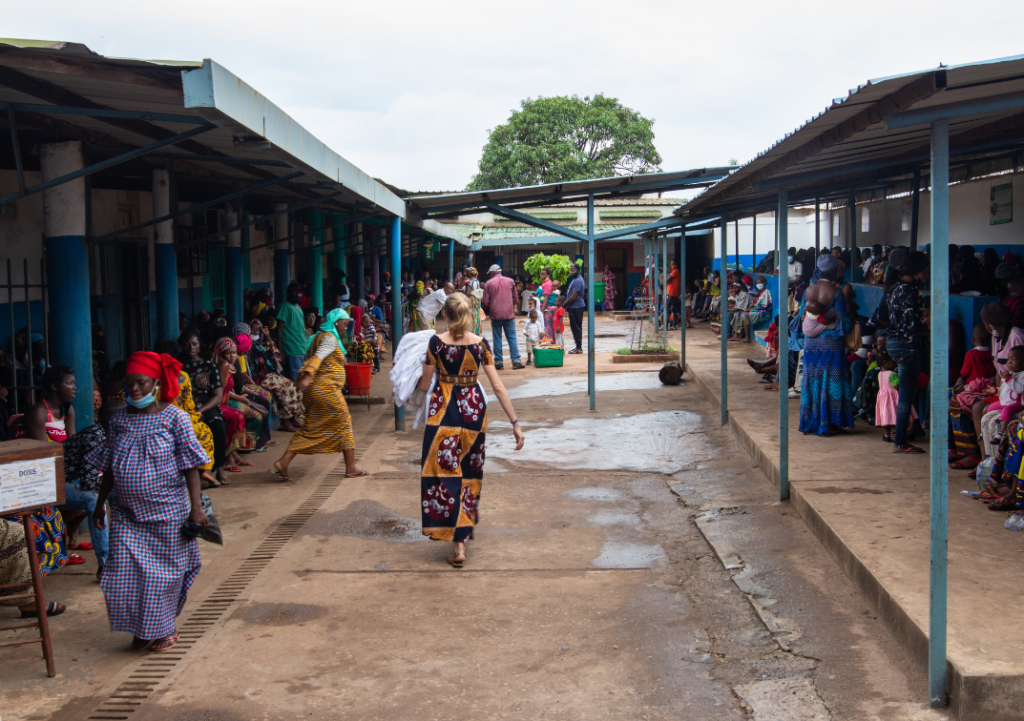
[1010, 391]
[533, 333]
[974, 383]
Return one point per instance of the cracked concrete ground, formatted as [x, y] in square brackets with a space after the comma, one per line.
[630, 563]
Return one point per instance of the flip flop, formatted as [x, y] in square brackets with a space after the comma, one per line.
[456, 564]
[964, 464]
[75, 560]
[52, 609]
[356, 475]
[164, 644]
[232, 469]
[909, 449]
[80, 546]
[246, 463]
[280, 475]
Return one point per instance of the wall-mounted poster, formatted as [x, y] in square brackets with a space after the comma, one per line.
[1000, 209]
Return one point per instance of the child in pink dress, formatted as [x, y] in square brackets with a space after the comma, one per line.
[888, 397]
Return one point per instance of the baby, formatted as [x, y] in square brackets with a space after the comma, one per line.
[1010, 391]
[532, 331]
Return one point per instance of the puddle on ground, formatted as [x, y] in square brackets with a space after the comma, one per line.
[278, 614]
[648, 442]
[542, 387]
[628, 555]
[851, 489]
[604, 519]
[368, 520]
[601, 495]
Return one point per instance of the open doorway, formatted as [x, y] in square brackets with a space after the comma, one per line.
[615, 259]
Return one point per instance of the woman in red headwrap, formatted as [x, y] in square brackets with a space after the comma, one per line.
[150, 461]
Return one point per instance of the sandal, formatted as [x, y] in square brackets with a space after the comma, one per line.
[454, 561]
[280, 475]
[164, 644]
[52, 609]
[357, 475]
[909, 449]
[964, 464]
[75, 560]
[232, 469]
[80, 546]
[245, 463]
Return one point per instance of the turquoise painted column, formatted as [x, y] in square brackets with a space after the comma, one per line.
[591, 357]
[165, 259]
[360, 272]
[852, 244]
[782, 305]
[67, 268]
[282, 259]
[451, 261]
[664, 290]
[396, 304]
[316, 254]
[724, 314]
[339, 234]
[233, 270]
[939, 428]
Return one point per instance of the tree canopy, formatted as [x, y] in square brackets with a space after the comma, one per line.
[559, 139]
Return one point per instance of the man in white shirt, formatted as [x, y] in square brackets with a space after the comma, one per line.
[796, 268]
[431, 304]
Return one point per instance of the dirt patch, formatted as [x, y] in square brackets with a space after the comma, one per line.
[369, 520]
[277, 614]
[850, 489]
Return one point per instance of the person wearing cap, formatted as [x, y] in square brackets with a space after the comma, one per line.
[499, 303]
[150, 462]
[826, 405]
[328, 426]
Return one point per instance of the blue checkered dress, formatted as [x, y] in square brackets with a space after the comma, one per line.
[151, 566]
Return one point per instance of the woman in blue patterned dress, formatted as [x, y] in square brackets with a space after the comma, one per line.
[826, 405]
[150, 461]
[453, 442]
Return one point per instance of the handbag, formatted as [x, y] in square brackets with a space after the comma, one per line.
[211, 531]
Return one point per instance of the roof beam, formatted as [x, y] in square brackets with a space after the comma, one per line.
[922, 116]
[105, 113]
[162, 77]
[537, 222]
[637, 229]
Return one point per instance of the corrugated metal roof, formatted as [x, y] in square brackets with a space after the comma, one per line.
[852, 131]
[69, 74]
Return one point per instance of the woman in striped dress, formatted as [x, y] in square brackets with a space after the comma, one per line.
[328, 427]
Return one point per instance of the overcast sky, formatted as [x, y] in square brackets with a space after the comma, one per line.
[408, 90]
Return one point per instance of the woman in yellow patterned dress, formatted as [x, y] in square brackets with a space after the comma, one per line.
[328, 427]
[453, 441]
[185, 402]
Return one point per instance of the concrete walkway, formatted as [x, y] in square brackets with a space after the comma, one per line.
[870, 508]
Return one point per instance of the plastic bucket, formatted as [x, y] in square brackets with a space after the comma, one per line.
[357, 378]
[598, 293]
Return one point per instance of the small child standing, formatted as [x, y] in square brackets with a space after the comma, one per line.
[532, 331]
[888, 397]
[558, 322]
[1010, 391]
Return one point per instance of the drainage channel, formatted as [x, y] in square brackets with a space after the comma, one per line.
[156, 668]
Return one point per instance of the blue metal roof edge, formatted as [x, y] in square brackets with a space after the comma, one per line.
[225, 99]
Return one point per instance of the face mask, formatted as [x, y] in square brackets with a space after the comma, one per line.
[143, 402]
[791, 259]
[760, 286]
[255, 336]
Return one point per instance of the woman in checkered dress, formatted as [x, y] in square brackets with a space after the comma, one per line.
[150, 461]
[453, 442]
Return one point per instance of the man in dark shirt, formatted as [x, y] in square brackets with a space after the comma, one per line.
[904, 340]
[576, 305]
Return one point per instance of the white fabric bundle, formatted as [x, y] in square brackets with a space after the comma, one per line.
[406, 372]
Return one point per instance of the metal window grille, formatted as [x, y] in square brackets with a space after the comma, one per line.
[24, 389]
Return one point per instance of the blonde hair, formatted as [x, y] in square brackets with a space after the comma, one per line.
[459, 312]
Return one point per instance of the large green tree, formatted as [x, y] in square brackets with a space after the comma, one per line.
[554, 140]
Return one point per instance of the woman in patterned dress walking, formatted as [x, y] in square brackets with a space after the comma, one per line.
[151, 460]
[453, 442]
[328, 426]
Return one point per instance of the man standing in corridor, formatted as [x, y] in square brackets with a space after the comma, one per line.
[499, 303]
[293, 331]
[576, 305]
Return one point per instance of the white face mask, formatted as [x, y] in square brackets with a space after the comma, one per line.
[760, 286]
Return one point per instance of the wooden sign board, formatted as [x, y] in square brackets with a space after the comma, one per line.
[31, 476]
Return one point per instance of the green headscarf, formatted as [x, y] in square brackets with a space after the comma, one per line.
[328, 326]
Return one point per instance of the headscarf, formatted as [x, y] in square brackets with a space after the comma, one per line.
[160, 367]
[224, 345]
[827, 264]
[357, 318]
[328, 325]
[244, 342]
[897, 256]
[241, 329]
[996, 315]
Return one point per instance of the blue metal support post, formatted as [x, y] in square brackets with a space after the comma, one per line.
[396, 303]
[316, 265]
[682, 281]
[282, 258]
[360, 272]
[939, 421]
[851, 241]
[664, 291]
[165, 260]
[723, 307]
[916, 208]
[782, 306]
[340, 236]
[817, 228]
[451, 262]
[233, 269]
[591, 357]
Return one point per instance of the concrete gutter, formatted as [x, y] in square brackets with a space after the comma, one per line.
[221, 97]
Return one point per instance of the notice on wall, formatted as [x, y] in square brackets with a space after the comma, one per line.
[1000, 209]
[24, 484]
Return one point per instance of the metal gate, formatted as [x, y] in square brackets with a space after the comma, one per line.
[22, 362]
